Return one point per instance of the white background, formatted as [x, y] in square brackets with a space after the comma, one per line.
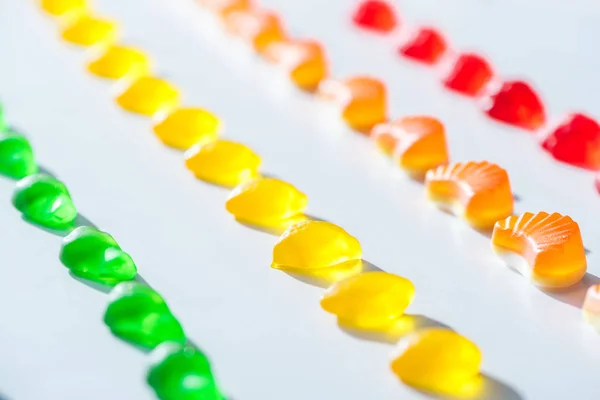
[264, 331]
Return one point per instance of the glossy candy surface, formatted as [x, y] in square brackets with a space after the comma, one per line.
[469, 74]
[516, 103]
[304, 61]
[426, 45]
[591, 306]
[88, 30]
[375, 15]
[259, 28]
[149, 95]
[185, 127]
[61, 7]
[545, 248]
[117, 62]
[16, 156]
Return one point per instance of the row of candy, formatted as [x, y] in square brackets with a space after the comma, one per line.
[574, 140]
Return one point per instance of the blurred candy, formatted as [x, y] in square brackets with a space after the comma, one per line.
[149, 95]
[16, 156]
[516, 103]
[223, 162]
[469, 74]
[88, 31]
[224, 7]
[375, 15]
[426, 45]
[597, 182]
[118, 62]
[185, 127]
[260, 28]
[304, 60]
[591, 307]
[545, 248]
[61, 7]
[3, 123]
[478, 191]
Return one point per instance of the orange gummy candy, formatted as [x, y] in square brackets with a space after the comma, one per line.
[417, 143]
[478, 191]
[548, 248]
[303, 59]
[224, 7]
[260, 28]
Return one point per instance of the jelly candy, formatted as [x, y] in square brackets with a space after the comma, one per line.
[304, 60]
[426, 45]
[260, 28]
[548, 247]
[591, 306]
[478, 191]
[362, 100]
[185, 127]
[181, 372]
[16, 156]
[118, 62]
[61, 7]
[266, 202]
[470, 73]
[437, 360]
[95, 255]
[576, 141]
[223, 162]
[417, 143]
[88, 31]
[3, 123]
[516, 103]
[224, 7]
[370, 300]
[314, 245]
[44, 200]
[375, 15]
[149, 95]
[138, 314]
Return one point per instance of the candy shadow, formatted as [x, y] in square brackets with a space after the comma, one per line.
[574, 295]
[326, 277]
[80, 220]
[484, 387]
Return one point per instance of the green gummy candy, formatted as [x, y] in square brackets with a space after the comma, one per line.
[44, 200]
[138, 314]
[16, 156]
[95, 255]
[182, 372]
[3, 123]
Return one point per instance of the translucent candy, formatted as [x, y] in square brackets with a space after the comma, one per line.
[426, 45]
[477, 191]
[546, 248]
[185, 127]
[44, 200]
[88, 31]
[223, 162]
[149, 95]
[576, 141]
[470, 73]
[260, 28]
[181, 372]
[138, 314]
[118, 62]
[517, 104]
[95, 255]
[3, 123]
[16, 156]
[304, 60]
[417, 143]
[375, 15]
[267, 202]
[362, 100]
[224, 7]
[437, 360]
[62, 7]
[591, 307]
[370, 300]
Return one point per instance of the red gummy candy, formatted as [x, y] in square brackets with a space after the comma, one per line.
[575, 141]
[427, 46]
[469, 75]
[375, 15]
[516, 103]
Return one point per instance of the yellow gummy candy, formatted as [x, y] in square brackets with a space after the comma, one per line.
[370, 300]
[437, 360]
[223, 162]
[149, 95]
[88, 31]
[117, 62]
[61, 7]
[266, 202]
[185, 127]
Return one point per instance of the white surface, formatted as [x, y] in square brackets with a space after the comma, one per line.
[264, 331]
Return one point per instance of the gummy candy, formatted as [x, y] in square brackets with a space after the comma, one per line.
[149, 95]
[469, 74]
[138, 314]
[260, 28]
[516, 103]
[591, 306]
[437, 360]
[118, 62]
[362, 100]
[181, 372]
[223, 162]
[370, 300]
[303, 59]
[576, 141]
[16, 156]
[545, 248]
[88, 31]
[418, 143]
[224, 7]
[266, 202]
[44, 200]
[3, 123]
[478, 191]
[95, 255]
[185, 127]
[426, 45]
[375, 15]
[61, 7]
